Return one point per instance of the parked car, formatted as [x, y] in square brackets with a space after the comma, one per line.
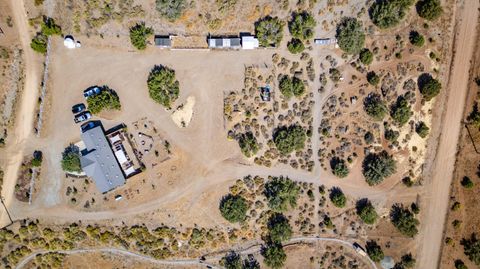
[87, 126]
[78, 108]
[82, 117]
[94, 90]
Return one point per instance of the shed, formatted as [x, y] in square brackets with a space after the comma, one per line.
[249, 42]
[325, 41]
[163, 41]
[224, 43]
[69, 42]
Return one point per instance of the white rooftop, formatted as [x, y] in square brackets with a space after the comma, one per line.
[249, 42]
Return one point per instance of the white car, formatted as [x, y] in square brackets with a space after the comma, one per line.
[82, 117]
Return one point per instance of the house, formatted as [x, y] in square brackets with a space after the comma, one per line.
[163, 41]
[98, 160]
[224, 43]
[249, 42]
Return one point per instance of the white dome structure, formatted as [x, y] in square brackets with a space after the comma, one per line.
[69, 42]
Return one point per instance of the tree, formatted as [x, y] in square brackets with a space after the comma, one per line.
[474, 116]
[404, 220]
[139, 35]
[377, 167]
[416, 39]
[279, 230]
[291, 86]
[71, 159]
[374, 251]
[49, 27]
[471, 248]
[281, 193]
[250, 263]
[429, 9]
[302, 25]
[171, 9]
[39, 43]
[106, 99]
[391, 135]
[295, 46]
[401, 111]
[350, 35]
[373, 78]
[428, 86]
[388, 13]
[374, 106]
[289, 139]
[339, 167]
[459, 264]
[369, 138]
[366, 56]
[269, 31]
[232, 260]
[162, 85]
[366, 211]
[37, 159]
[248, 144]
[467, 183]
[274, 256]
[337, 197]
[233, 208]
[406, 261]
[422, 129]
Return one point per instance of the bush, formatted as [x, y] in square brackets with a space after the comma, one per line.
[422, 129]
[37, 159]
[338, 198]
[428, 86]
[416, 39]
[429, 9]
[366, 211]
[373, 78]
[377, 167]
[374, 106]
[291, 86]
[38, 2]
[106, 99]
[289, 139]
[139, 35]
[71, 159]
[406, 261]
[49, 27]
[391, 135]
[39, 43]
[339, 167]
[281, 193]
[474, 116]
[231, 260]
[279, 230]
[404, 220]
[471, 248]
[295, 46]
[233, 208]
[248, 144]
[269, 31]
[350, 35]
[407, 181]
[388, 13]
[335, 74]
[366, 56]
[374, 251]
[459, 264]
[369, 138]
[162, 85]
[401, 111]
[467, 182]
[302, 25]
[171, 9]
[274, 256]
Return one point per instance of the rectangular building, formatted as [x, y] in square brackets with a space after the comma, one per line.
[224, 43]
[163, 41]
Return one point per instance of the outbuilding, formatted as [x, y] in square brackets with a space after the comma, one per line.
[249, 42]
[163, 41]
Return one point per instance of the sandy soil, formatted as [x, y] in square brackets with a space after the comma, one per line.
[184, 113]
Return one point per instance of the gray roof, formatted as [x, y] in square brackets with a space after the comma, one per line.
[99, 162]
[163, 41]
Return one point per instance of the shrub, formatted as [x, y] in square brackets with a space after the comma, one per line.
[295, 46]
[39, 43]
[369, 138]
[289, 139]
[338, 198]
[366, 211]
[335, 74]
[366, 56]
[377, 167]
[279, 229]
[422, 129]
[162, 85]
[302, 25]
[291, 86]
[37, 159]
[106, 99]
[388, 13]
[401, 111]
[459, 264]
[171, 9]
[467, 182]
[274, 256]
[391, 135]
[404, 220]
[248, 144]
[429, 9]
[350, 35]
[339, 167]
[428, 86]
[374, 106]
[269, 31]
[233, 208]
[474, 116]
[407, 181]
[139, 35]
[232, 260]
[373, 78]
[49, 27]
[416, 39]
[38, 2]
[71, 159]
[374, 251]
[471, 248]
[281, 193]
[415, 208]
[406, 261]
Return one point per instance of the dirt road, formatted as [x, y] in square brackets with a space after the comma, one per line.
[25, 114]
[438, 187]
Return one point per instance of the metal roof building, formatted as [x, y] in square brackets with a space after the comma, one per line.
[163, 41]
[99, 162]
[224, 43]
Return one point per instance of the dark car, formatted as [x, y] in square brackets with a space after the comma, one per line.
[92, 91]
[82, 117]
[88, 125]
[78, 108]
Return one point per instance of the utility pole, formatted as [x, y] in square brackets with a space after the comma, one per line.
[6, 210]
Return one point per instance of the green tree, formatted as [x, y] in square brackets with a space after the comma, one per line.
[373, 78]
[279, 229]
[406, 261]
[291, 86]
[71, 159]
[422, 129]
[366, 211]
[295, 46]
[37, 159]
[274, 256]
[337, 197]
[281, 193]
[302, 25]
[401, 111]
[429, 9]
[350, 35]
[428, 86]
[289, 139]
[416, 39]
[388, 13]
[39, 43]
[366, 56]
[377, 167]
[248, 144]
[162, 85]
[474, 116]
[106, 99]
[339, 167]
[374, 106]
[49, 27]
[391, 135]
[471, 248]
[232, 260]
[459, 264]
[269, 31]
[171, 9]
[374, 251]
[404, 220]
[139, 35]
[233, 208]
[467, 183]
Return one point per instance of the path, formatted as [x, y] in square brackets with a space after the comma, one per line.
[438, 187]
